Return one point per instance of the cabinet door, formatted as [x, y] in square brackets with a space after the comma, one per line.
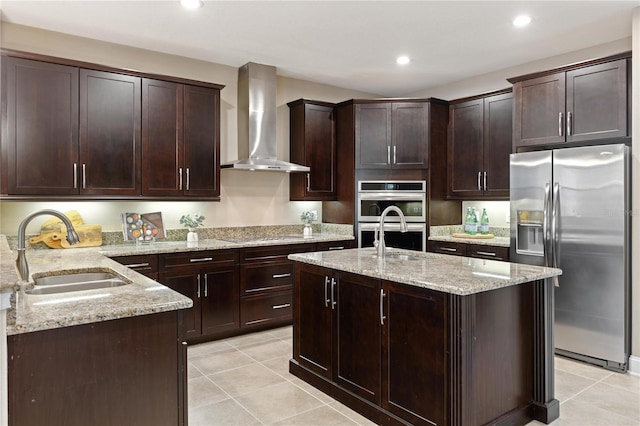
[313, 144]
[162, 143]
[312, 327]
[465, 149]
[597, 102]
[145, 264]
[42, 127]
[410, 135]
[452, 248]
[201, 141]
[220, 300]
[539, 110]
[497, 141]
[109, 133]
[356, 362]
[373, 136]
[185, 282]
[488, 252]
[414, 354]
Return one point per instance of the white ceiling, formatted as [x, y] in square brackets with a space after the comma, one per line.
[350, 44]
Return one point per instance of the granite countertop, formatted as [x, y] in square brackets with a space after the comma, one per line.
[450, 274]
[141, 296]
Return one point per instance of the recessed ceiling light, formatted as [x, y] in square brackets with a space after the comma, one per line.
[403, 60]
[522, 21]
[192, 4]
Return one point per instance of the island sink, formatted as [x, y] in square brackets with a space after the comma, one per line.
[55, 284]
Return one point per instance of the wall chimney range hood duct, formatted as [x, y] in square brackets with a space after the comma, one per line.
[257, 144]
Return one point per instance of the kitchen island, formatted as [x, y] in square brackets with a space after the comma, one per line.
[424, 338]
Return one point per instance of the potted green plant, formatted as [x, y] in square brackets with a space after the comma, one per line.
[192, 223]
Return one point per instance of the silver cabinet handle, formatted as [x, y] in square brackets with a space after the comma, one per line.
[560, 124]
[137, 265]
[198, 292]
[479, 187]
[180, 178]
[75, 175]
[569, 123]
[202, 259]
[337, 248]
[453, 250]
[394, 155]
[326, 292]
[84, 176]
[382, 317]
[206, 285]
[333, 295]
[284, 305]
[388, 154]
[308, 182]
[485, 180]
[486, 253]
[188, 178]
[280, 275]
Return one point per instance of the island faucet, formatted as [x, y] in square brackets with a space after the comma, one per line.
[379, 244]
[21, 261]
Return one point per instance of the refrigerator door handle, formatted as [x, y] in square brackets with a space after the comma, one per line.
[554, 228]
[546, 236]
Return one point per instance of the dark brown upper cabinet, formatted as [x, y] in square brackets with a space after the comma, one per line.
[392, 135]
[479, 144]
[109, 133]
[180, 140]
[573, 104]
[41, 126]
[78, 130]
[312, 143]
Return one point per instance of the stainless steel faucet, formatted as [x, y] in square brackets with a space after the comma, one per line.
[21, 261]
[379, 244]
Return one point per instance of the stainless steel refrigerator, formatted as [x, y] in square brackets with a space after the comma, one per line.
[570, 209]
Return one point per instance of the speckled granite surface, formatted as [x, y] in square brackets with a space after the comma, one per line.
[443, 233]
[449, 274]
[141, 296]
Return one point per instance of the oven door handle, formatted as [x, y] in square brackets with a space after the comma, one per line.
[390, 196]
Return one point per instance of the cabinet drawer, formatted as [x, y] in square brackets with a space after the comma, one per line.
[198, 258]
[145, 264]
[270, 276]
[273, 253]
[488, 252]
[335, 245]
[265, 309]
[456, 249]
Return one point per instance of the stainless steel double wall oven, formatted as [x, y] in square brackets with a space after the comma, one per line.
[410, 196]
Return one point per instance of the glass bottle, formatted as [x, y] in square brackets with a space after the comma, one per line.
[473, 230]
[467, 221]
[484, 222]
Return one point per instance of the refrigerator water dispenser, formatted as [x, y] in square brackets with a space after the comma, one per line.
[529, 238]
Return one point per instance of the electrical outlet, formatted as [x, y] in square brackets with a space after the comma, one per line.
[508, 218]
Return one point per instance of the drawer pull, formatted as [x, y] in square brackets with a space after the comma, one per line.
[284, 305]
[281, 275]
[337, 248]
[448, 249]
[137, 265]
[486, 253]
[202, 259]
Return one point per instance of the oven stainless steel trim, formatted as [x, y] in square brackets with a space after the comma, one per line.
[392, 191]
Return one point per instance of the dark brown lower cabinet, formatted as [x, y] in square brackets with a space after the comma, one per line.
[481, 251]
[400, 354]
[145, 264]
[130, 371]
[210, 279]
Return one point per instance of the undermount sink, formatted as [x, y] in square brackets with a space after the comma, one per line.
[75, 282]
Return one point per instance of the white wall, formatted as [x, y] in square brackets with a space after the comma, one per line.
[248, 198]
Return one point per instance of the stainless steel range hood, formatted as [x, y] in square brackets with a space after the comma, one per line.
[257, 122]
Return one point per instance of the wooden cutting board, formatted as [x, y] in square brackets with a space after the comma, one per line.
[53, 224]
[90, 236]
[47, 238]
[477, 236]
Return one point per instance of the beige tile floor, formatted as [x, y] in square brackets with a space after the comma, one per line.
[245, 380]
